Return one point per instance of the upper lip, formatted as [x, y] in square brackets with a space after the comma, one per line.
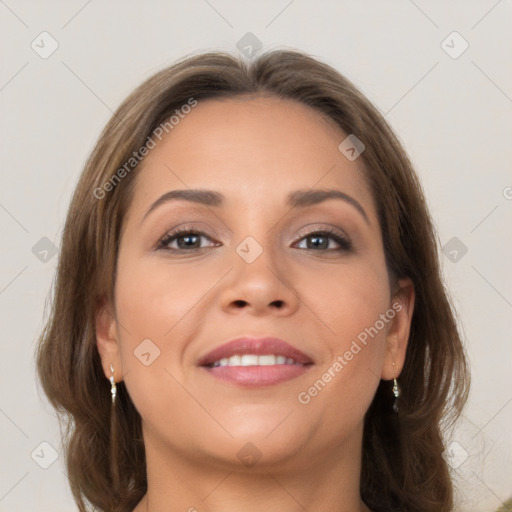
[257, 346]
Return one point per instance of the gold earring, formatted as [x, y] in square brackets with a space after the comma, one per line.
[113, 388]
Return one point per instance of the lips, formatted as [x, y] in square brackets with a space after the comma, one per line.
[255, 362]
[255, 346]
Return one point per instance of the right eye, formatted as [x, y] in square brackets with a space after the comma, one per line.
[183, 239]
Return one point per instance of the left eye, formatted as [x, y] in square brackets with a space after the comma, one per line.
[322, 240]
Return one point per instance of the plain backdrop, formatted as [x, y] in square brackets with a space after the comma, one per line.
[450, 104]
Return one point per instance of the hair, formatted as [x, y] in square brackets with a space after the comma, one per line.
[402, 456]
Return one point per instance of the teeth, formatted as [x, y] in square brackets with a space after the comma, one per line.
[248, 360]
[267, 360]
[254, 360]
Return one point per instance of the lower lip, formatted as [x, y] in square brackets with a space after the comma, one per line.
[256, 376]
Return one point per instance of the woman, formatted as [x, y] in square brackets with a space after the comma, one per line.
[249, 312]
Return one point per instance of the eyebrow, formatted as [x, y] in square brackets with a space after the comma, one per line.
[296, 199]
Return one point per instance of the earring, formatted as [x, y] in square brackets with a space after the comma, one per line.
[113, 389]
[396, 393]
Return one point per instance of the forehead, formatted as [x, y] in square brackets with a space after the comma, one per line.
[252, 148]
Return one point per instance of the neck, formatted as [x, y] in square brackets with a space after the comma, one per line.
[328, 482]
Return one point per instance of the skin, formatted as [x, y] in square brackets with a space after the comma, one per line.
[254, 150]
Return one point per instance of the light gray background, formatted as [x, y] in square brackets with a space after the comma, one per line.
[453, 115]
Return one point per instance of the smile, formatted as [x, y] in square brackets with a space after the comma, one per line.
[254, 360]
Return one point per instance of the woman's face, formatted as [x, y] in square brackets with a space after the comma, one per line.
[252, 263]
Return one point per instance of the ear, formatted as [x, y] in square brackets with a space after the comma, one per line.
[107, 340]
[398, 334]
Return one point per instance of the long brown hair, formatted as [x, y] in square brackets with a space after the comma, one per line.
[402, 465]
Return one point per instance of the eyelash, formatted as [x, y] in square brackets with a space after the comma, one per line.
[162, 244]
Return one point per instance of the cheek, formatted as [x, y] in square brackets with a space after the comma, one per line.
[155, 305]
[152, 298]
[348, 298]
[354, 303]
[164, 304]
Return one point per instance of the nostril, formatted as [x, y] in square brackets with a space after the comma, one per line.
[242, 303]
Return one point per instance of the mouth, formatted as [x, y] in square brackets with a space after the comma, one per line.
[255, 362]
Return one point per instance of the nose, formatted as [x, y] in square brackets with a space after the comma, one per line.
[260, 288]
